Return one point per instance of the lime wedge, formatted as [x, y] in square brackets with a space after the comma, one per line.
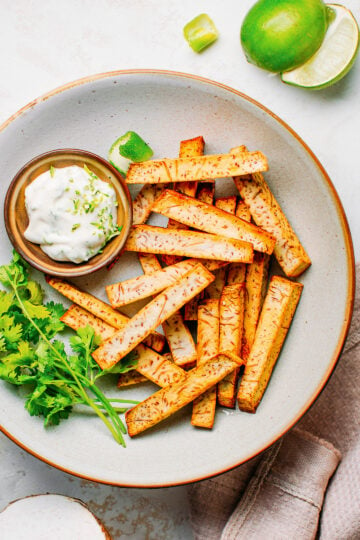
[334, 58]
[119, 162]
[127, 149]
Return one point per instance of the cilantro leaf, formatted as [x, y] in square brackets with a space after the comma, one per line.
[30, 353]
[35, 292]
[18, 367]
[127, 363]
[85, 341]
[16, 272]
[53, 325]
[34, 310]
[2, 344]
[11, 333]
[6, 300]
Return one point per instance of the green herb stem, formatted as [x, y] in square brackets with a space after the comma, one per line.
[116, 427]
[108, 407]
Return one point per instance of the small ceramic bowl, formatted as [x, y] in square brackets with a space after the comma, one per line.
[16, 218]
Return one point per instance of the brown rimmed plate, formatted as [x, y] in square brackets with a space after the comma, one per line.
[165, 107]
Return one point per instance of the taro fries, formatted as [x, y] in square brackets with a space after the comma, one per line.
[237, 163]
[203, 413]
[213, 271]
[267, 213]
[167, 401]
[147, 239]
[134, 289]
[101, 310]
[179, 338]
[151, 316]
[277, 313]
[212, 220]
[150, 364]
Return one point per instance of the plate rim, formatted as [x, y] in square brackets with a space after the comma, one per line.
[350, 259]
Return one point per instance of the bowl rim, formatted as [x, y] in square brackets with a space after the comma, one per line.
[79, 269]
[347, 239]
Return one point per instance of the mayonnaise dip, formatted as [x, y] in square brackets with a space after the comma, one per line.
[72, 213]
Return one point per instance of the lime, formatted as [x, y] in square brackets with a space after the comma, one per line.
[279, 35]
[334, 58]
[200, 32]
[127, 149]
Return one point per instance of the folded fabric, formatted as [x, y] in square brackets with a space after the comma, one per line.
[280, 494]
[282, 500]
[336, 417]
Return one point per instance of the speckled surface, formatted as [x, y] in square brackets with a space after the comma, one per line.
[132, 514]
[44, 46]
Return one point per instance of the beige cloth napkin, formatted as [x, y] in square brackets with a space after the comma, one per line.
[297, 489]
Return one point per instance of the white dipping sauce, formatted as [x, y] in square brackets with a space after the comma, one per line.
[72, 213]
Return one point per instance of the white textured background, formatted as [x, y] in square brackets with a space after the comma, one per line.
[46, 44]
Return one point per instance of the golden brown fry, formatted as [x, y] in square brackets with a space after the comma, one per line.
[231, 328]
[196, 168]
[277, 313]
[255, 289]
[155, 341]
[208, 332]
[237, 271]
[216, 287]
[241, 148]
[158, 240]
[205, 193]
[180, 340]
[167, 401]
[168, 260]
[231, 318]
[101, 310]
[76, 317]
[266, 213]
[152, 365]
[214, 290]
[89, 302]
[203, 413]
[242, 211]
[181, 343]
[149, 262]
[130, 378]
[157, 368]
[144, 200]
[228, 204]
[212, 220]
[151, 316]
[168, 356]
[191, 309]
[149, 192]
[140, 287]
[189, 148]
[212, 265]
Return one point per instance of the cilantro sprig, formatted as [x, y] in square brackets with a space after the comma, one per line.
[30, 356]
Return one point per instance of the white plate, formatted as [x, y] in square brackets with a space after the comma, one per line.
[165, 108]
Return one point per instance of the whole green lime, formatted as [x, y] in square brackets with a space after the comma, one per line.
[279, 35]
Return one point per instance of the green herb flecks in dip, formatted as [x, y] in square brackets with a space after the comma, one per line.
[72, 213]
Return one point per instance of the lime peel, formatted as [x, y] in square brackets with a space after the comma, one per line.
[335, 57]
[200, 32]
[127, 149]
[280, 35]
